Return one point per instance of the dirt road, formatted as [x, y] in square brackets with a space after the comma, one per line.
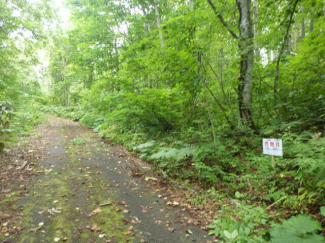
[84, 193]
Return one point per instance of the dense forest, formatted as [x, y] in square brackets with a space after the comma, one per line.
[190, 86]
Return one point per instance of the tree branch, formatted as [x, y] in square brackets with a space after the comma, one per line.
[219, 104]
[282, 48]
[222, 19]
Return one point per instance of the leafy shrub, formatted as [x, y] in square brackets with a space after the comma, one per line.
[18, 122]
[298, 229]
[174, 153]
[243, 228]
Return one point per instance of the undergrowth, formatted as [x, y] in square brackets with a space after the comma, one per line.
[261, 195]
[17, 121]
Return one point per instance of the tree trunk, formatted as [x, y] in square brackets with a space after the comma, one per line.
[145, 24]
[67, 92]
[191, 3]
[246, 47]
[311, 26]
[303, 29]
[91, 76]
[207, 104]
[255, 31]
[161, 37]
[284, 44]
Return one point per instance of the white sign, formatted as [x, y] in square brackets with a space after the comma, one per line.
[272, 146]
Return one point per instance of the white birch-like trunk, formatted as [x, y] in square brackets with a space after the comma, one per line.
[161, 37]
[246, 47]
[303, 26]
[191, 3]
[255, 25]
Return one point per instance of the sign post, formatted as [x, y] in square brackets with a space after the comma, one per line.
[272, 147]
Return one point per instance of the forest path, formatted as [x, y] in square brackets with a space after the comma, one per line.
[80, 173]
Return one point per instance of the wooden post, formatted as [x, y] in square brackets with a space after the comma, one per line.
[273, 161]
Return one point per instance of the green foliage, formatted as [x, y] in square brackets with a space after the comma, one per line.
[78, 141]
[143, 146]
[74, 114]
[18, 121]
[243, 228]
[169, 92]
[301, 228]
[174, 154]
[322, 211]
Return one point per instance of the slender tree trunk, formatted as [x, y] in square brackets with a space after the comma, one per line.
[117, 55]
[91, 76]
[66, 90]
[312, 16]
[67, 96]
[246, 47]
[207, 104]
[255, 31]
[191, 3]
[294, 40]
[227, 98]
[303, 29]
[161, 37]
[219, 104]
[284, 43]
[311, 26]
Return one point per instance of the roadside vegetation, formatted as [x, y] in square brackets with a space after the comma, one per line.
[192, 87]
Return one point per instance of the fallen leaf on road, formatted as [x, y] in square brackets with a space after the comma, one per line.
[125, 221]
[56, 239]
[174, 203]
[126, 211]
[95, 228]
[56, 210]
[102, 235]
[151, 178]
[20, 228]
[96, 211]
[158, 222]
[135, 220]
[130, 228]
[4, 230]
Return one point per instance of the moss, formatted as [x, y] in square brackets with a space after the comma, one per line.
[12, 198]
[70, 188]
[9, 199]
